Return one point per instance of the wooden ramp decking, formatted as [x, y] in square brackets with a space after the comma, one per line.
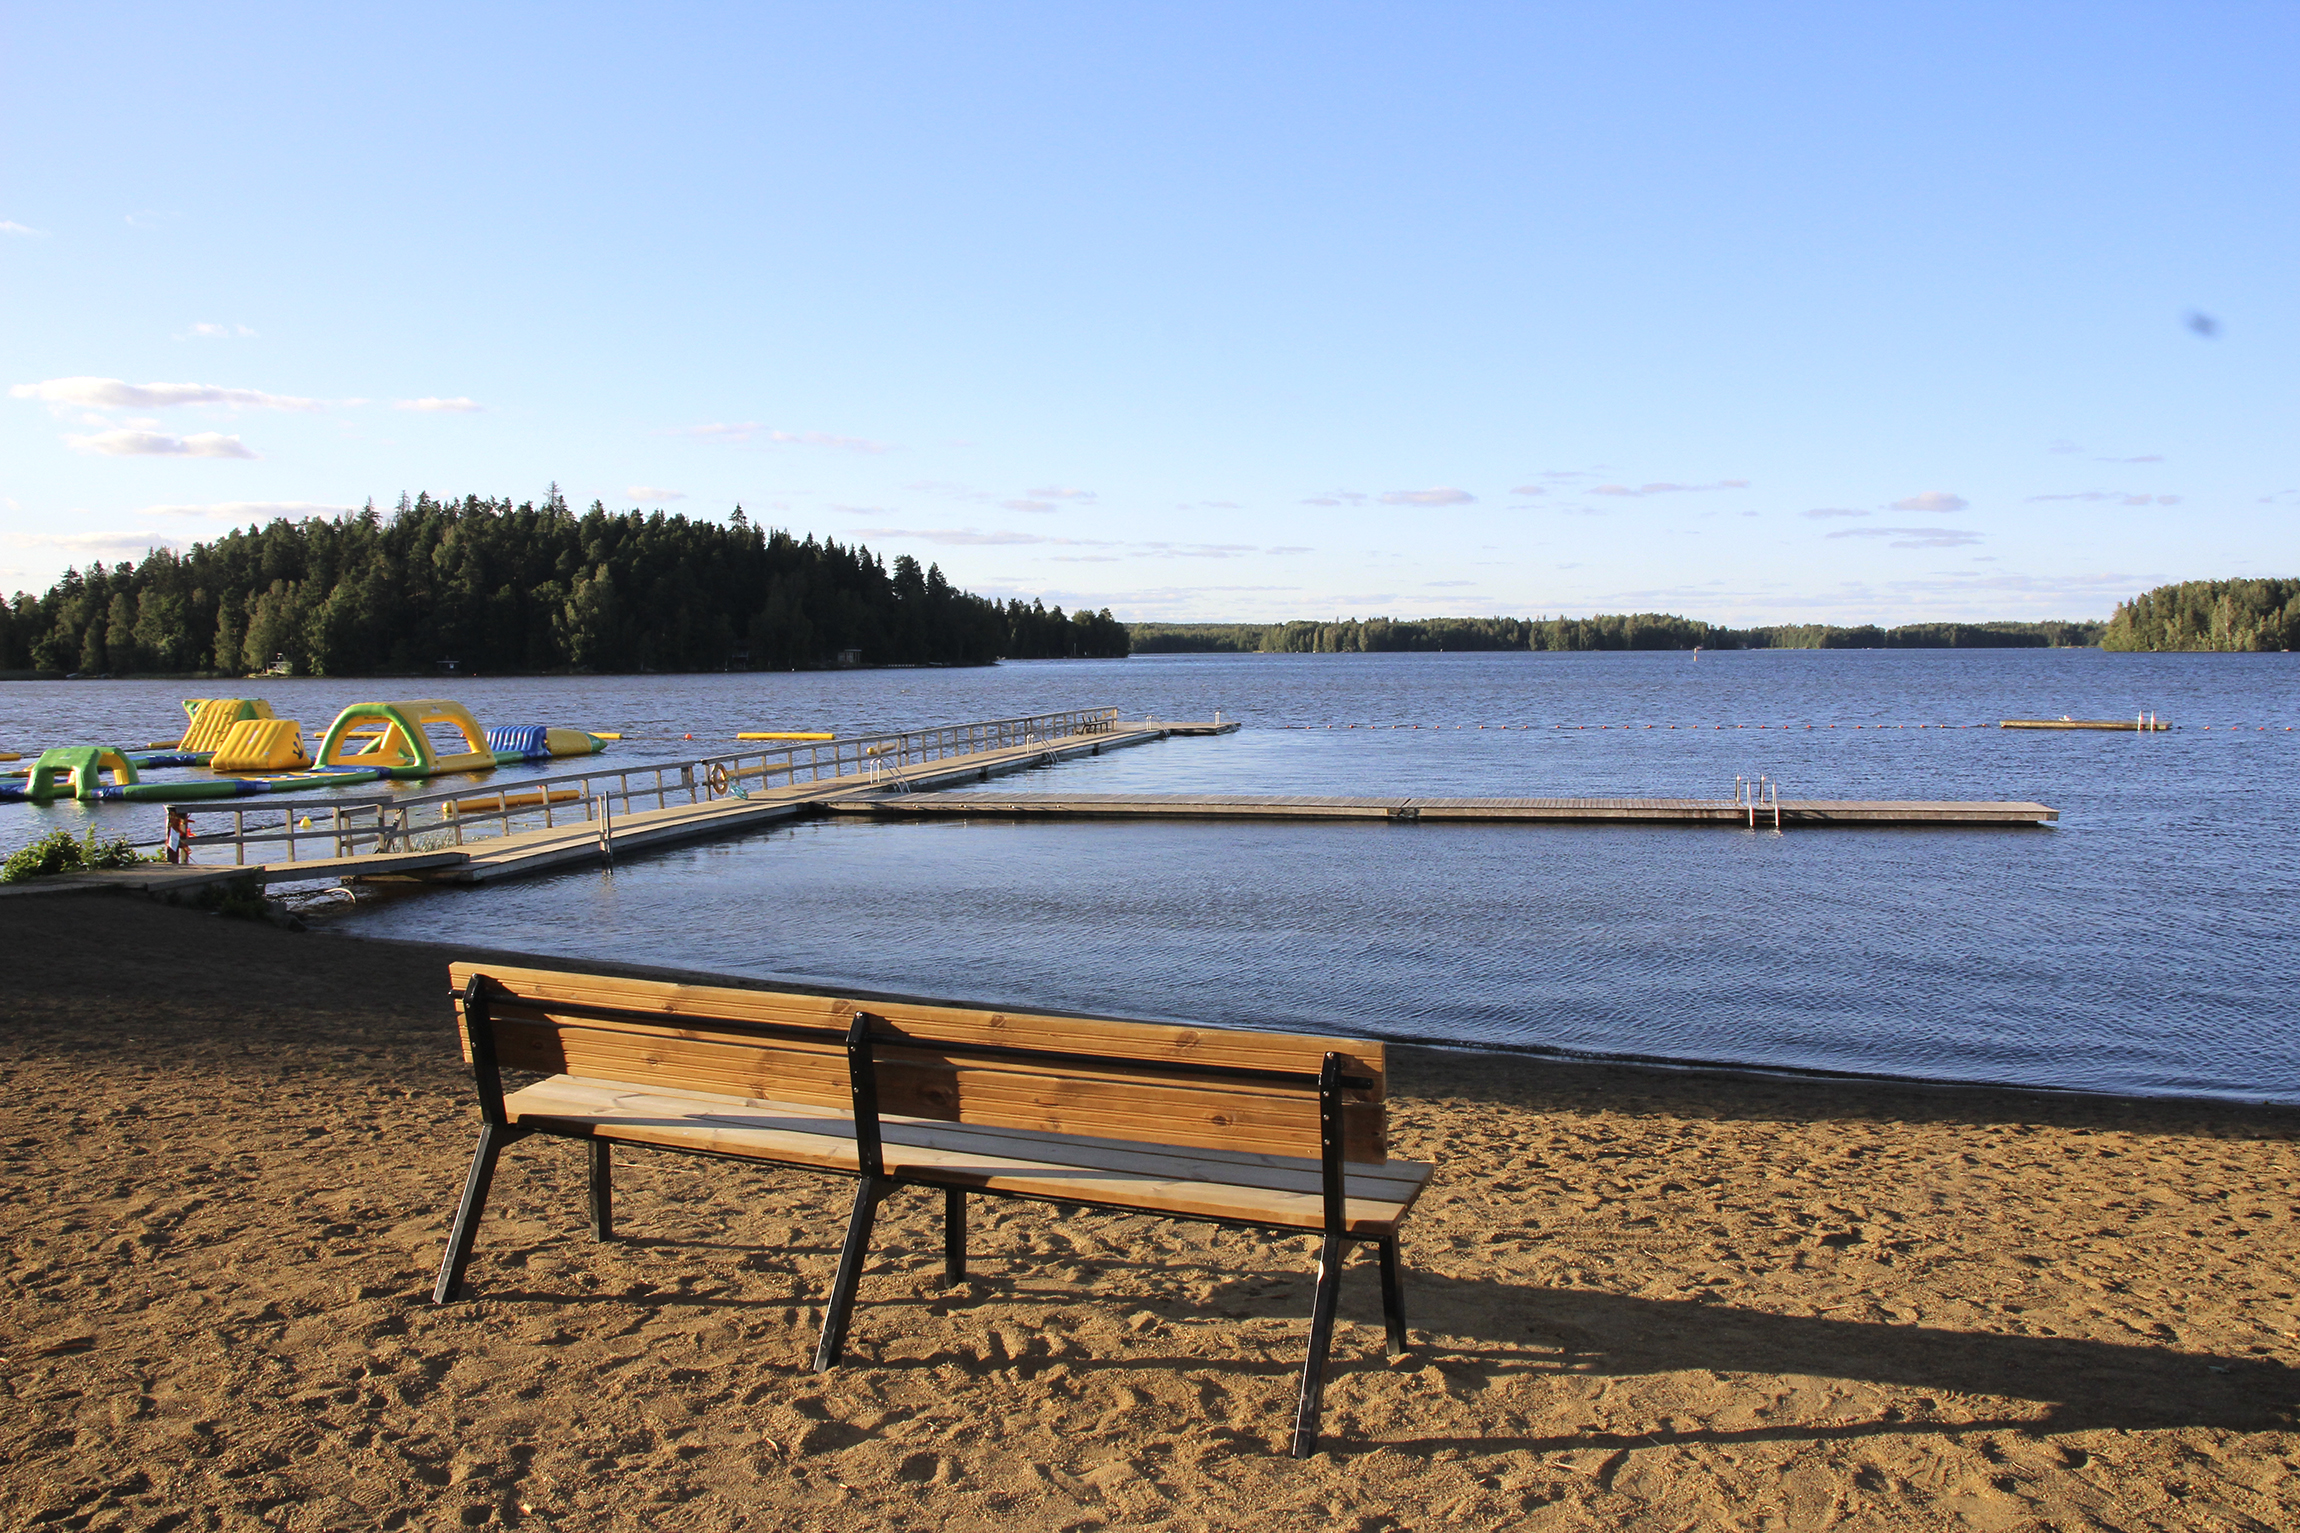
[1673, 811]
[538, 851]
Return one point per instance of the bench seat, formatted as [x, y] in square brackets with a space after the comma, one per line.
[1267, 1191]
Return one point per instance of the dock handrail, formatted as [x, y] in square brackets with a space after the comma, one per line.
[387, 822]
[1758, 793]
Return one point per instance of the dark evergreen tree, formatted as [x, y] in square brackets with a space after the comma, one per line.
[2209, 615]
[494, 586]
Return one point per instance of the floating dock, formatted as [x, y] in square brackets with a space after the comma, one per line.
[886, 776]
[1664, 811]
[2135, 725]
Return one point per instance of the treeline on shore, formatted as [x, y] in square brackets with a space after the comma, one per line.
[2209, 615]
[1607, 631]
[534, 587]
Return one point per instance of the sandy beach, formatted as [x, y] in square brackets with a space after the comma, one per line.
[1639, 1299]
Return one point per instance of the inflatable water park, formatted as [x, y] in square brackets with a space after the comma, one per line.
[243, 750]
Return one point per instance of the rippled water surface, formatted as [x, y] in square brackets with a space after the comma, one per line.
[2144, 944]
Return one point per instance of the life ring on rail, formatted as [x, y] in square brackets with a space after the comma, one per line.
[717, 778]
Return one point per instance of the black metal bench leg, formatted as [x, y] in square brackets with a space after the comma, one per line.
[492, 1138]
[834, 1342]
[1393, 1298]
[953, 1236]
[602, 1190]
[1330, 1255]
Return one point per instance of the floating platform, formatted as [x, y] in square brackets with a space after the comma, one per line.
[2149, 725]
[1664, 811]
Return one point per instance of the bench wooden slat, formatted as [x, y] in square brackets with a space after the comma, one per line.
[1123, 1101]
[1245, 1168]
[953, 1155]
[1208, 1116]
[1170, 1043]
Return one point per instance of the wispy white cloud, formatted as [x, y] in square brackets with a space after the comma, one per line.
[971, 537]
[1931, 500]
[2151, 457]
[1193, 550]
[968, 537]
[1530, 490]
[435, 406]
[1827, 511]
[948, 488]
[1337, 498]
[1915, 537]
[1436, 495]
[746, 432]
[1027, 505]
[249, 510]
[1446, 583]
[650, 492]
[113, 394]
[1667, 489]
[94, 545]
[2118, 497]
[1062, 492]
[158, 444]
[10, 226]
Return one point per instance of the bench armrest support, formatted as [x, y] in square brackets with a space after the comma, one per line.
[862, 1079]
[479, 1026]
[1330, 1145]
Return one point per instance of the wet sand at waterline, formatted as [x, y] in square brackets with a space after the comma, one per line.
[1638, 1299]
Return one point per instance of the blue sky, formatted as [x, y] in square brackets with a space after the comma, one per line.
[1755, 313]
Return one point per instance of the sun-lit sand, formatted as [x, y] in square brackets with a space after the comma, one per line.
[1639, 1299]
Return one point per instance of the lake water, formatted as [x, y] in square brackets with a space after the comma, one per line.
[2144, 945]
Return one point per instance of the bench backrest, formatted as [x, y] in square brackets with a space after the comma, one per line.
[1147, 1082]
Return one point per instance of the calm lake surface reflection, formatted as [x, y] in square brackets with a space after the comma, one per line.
[2142, 945]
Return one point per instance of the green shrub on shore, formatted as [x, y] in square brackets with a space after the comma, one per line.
[60, 851]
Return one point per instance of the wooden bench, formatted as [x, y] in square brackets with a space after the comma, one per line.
[1273, 1131]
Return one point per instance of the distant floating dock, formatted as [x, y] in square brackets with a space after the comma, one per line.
[2135, 725]
[1661, 811]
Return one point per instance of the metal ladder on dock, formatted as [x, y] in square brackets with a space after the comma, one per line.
[1756, 795]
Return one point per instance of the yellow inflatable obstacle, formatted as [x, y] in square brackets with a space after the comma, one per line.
[403, 748]
[213, 717]
[261, 745]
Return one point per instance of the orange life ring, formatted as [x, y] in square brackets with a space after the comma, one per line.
[717, 777]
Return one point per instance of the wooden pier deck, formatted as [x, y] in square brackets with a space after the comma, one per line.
[1669, 811]
[538, 851]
